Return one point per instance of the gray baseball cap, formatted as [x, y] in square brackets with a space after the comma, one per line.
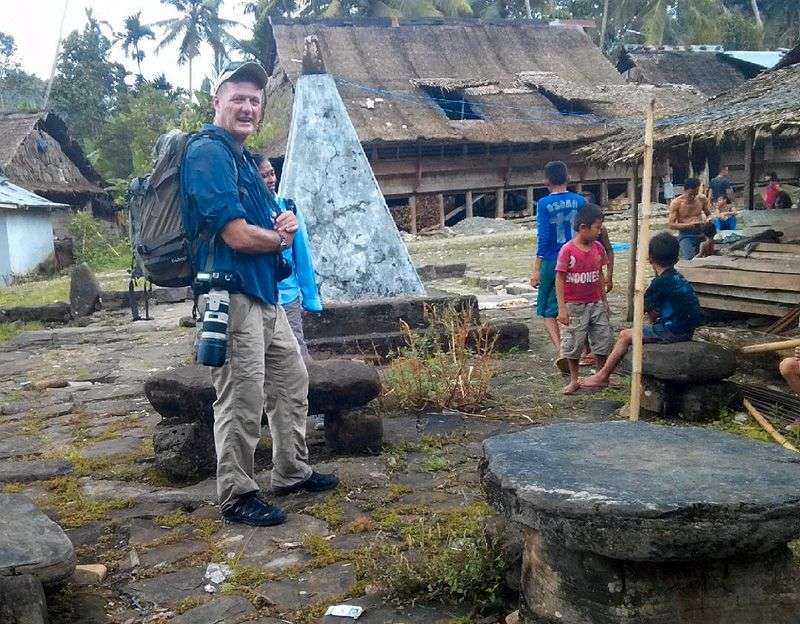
[243, 70]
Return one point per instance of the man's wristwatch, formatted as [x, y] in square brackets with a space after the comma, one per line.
[284, 243]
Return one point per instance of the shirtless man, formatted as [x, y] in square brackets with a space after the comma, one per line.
[790, 369]
[687, 213]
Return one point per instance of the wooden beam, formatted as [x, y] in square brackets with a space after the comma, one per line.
[632, 183]
[469, 204]
[766, 255]
[604, 193]
[412, 205]
[714, 302]
[749, 172]
[750, 294]
[744, 279]
[529, 199]
[779, 247]
[440, 201]
[500, 204]
[743, 264]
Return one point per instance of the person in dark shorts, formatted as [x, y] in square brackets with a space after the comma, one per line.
[670, 302]
[554, 217]
[707, 242]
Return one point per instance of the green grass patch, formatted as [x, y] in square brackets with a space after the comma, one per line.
[10, 330]
[748, 428]
[11, 488]
[203, 528]
[73, 507]
[444, 556]
[331, 510]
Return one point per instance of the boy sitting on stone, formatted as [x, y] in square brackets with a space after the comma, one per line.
[670, 302]
[581, 294]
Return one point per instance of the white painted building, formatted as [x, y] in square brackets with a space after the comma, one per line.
[26, 230]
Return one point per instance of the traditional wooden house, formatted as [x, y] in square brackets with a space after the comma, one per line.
[37, 153]
[755, 130]
[709, 69]
[450, 110]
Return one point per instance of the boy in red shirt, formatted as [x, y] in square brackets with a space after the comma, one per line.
[580, 290]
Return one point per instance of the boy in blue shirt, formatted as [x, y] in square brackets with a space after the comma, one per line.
[554, 216]
[670, 302]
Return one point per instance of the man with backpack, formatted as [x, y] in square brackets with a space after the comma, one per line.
[242, 233]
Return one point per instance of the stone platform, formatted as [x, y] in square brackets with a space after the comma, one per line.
[184, 396]
[34, 552]
[638, 523]
[687, 380]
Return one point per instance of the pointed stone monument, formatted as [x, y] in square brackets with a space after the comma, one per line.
[357, 249]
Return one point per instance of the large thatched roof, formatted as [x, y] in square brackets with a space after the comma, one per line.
[704, 67]
[518, 75]
[37, 153]
[768, 104]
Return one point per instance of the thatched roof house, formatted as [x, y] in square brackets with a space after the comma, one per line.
[707, 68]
[460, 105]
[37, 153]
[766, 107]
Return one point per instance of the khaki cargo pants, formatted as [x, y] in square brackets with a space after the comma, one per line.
[263, 360]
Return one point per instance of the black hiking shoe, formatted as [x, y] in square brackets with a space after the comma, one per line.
[315, 483]
[250, 509]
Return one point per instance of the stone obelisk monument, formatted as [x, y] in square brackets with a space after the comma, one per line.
[357, 249]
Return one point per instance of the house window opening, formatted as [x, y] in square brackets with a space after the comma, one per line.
[454, 104]
[568, 107]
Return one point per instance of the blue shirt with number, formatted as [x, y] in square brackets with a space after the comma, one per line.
[555, 215]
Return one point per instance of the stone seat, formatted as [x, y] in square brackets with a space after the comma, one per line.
[31, 543]
[184, 397]
[631, 522]
[686, 362]
[186, 394]
[34, 552]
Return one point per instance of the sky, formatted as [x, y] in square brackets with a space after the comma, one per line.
[34, 25]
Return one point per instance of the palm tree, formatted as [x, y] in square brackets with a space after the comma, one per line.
[134, 32]
[199, 22]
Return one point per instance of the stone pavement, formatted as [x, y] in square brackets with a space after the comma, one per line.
[77, 440]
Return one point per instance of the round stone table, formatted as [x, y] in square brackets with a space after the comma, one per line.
[638, 523]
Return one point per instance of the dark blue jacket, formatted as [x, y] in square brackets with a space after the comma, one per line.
[220, 183]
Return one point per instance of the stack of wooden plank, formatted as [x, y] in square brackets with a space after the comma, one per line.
[763, 281]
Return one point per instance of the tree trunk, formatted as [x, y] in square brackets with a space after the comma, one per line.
[528, 9]
[191, 93]
[757, 13]
[603, 25]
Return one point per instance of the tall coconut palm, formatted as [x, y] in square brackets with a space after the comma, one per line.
[199, 22]
[133, 34]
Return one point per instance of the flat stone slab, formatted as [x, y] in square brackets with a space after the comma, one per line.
[686, 362]
[641, 492]
[31, 543]
[186, 394]
[25, 471]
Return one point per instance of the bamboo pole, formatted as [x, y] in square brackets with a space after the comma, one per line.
[641, 261]
[767, 426]
[634, 242]
[772, 346]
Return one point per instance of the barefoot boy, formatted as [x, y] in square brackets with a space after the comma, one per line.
[581, 294]
[554, 215]
[670, 302]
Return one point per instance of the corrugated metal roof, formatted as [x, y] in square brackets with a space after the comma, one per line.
[13, 196]
[759, 58]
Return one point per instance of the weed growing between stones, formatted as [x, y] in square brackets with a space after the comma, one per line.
[748, 428]
[450, 365]
[202, 528]
[444, 556]
[331, 510]
[11, 488]
[190, 603]
[73, 507]
[10, 330]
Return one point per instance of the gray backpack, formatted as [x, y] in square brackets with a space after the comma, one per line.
[162, 250]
